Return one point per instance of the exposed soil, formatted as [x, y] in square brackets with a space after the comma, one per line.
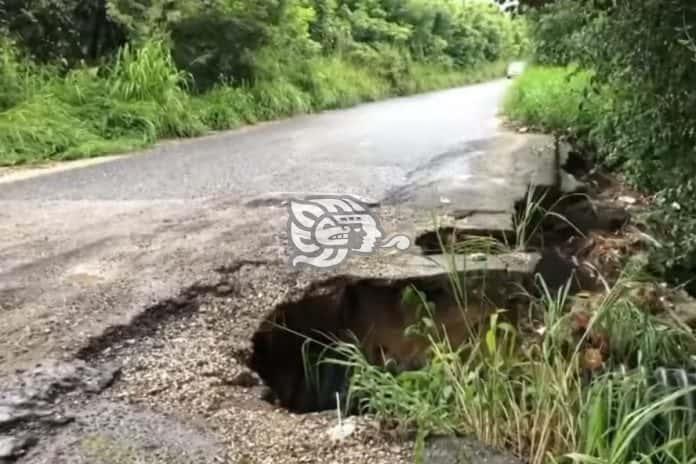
[371, 312]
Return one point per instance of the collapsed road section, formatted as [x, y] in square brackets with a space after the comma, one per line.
[203, 365]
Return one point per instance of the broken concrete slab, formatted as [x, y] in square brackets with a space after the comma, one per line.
[34, 397]
[407, 266]
[480, 175]
[449, 230]
[12, 447]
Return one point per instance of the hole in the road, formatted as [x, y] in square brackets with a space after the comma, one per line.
[290, 347]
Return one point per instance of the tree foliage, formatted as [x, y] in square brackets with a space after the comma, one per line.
[71, 30]
[244, 40]
[644, 52]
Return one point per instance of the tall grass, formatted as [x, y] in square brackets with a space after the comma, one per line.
[532, 392]
[92, 111]
[553, 99]
[627, 419]
[146, 73]
[18, 78]
[335, 82]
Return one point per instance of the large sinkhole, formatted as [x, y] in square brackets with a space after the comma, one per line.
[373, 314]
[289, 349]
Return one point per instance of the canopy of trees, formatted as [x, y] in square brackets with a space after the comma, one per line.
[237, 40]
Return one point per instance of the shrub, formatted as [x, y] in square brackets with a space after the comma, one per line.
[558, 30]
[642, 56]
[69, 31]
[278, 98]
[214, 47]
[674, 220]
[554, 99]
[92, 111]
[226, 107]
[18, 77]
[335, 82]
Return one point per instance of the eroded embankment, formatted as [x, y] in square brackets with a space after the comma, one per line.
[475, 272]
[373, 313]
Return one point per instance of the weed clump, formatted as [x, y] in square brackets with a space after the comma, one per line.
[562, 385]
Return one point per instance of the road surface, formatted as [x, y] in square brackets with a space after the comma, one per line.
[87, 253]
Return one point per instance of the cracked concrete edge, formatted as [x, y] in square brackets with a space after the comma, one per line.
[410, 266]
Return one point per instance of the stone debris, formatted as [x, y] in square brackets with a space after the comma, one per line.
[462, 450]
[12, 447]
[33, 397]
[686, 312]
[628, 200]
[342, 430]
[570, 184]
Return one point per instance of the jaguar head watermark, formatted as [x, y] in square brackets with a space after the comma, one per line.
[324, 231]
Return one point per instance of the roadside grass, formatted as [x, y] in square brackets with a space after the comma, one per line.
[627, 419]
[142, 97]
[537, 388]
[575, 379]
[425, 78]
[553, 99]
[531, 393]
[90, 111]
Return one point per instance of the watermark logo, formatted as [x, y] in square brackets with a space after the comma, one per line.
[325, 231]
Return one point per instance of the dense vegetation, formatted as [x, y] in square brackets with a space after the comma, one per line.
[594, 377]
[84, 78]
[576, 382]
[550, 396]
[635, 104]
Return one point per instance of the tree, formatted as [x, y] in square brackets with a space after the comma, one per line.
[71, 30]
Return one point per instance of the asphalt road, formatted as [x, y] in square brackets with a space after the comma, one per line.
[88, 248]
[366, 150]
[91, 253]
